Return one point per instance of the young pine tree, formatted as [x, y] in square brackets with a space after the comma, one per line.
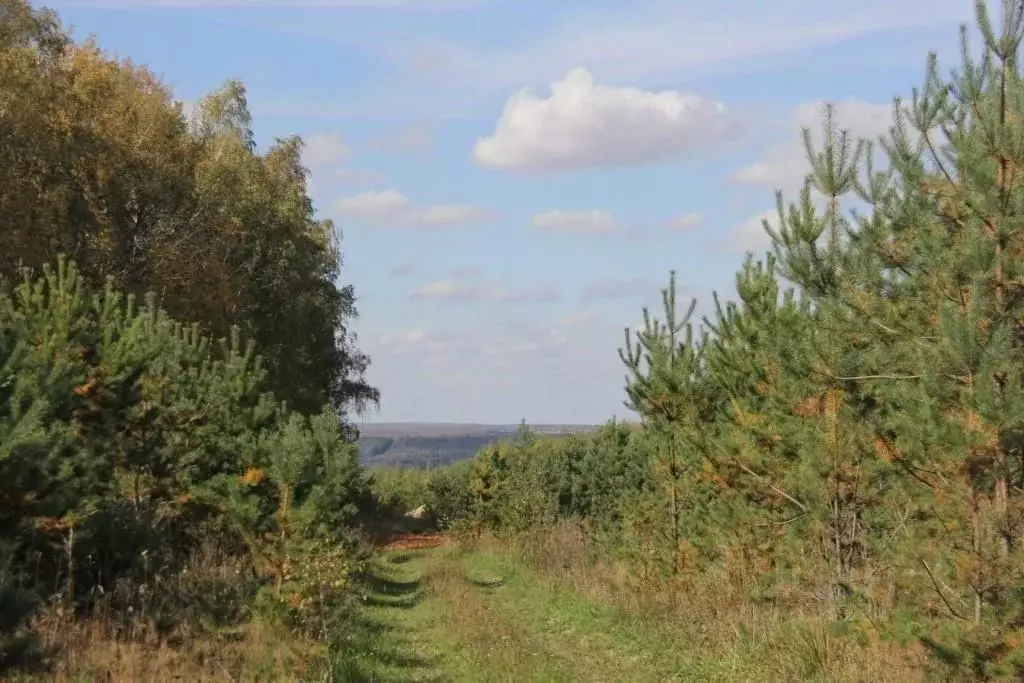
[666, 386]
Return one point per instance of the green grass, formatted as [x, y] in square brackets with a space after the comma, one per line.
[450, 615]
[592, 641]
[447, 614]
[395, 639]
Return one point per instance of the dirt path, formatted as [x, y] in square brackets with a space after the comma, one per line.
[438, 613]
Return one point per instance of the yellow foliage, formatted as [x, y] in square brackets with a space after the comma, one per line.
[85, 389]
[53, 525]
[253, 476]
[885, 450]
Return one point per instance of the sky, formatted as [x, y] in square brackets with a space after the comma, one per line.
[515, 179]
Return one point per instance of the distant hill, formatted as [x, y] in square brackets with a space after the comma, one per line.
[427, 444]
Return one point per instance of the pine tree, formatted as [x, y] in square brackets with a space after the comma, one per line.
[949, 311]
[813, 252]
[666, 387]
[757, 360]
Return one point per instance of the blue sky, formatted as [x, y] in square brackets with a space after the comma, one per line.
[516, 178]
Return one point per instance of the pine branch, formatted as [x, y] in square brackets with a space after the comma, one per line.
[861, 377]
[910, 469]
[785, 521]
[938, 591]
[769, 484]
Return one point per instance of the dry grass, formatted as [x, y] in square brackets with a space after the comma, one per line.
[190, 625]
[93, 650]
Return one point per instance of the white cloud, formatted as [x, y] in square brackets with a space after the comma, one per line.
[323, 149]
[750, 235]
[458, 290]
[591, 222]
[392, 208]
[784, 165]
[583, 124]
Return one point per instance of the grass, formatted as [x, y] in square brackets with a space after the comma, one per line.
[91, 653]
[485, 615]
[427, 619]
[489, 612]
[192, 625]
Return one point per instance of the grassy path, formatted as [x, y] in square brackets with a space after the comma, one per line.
[441, 614]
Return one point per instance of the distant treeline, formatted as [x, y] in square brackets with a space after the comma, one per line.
[430, 451]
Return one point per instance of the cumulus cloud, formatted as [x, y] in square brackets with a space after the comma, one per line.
[323, 149]
[584, 124]
[391, 208]
[587, 222]
[472, 291]
[784, 165]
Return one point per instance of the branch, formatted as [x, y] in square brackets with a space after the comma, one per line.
[910, 469]
[785, 521]
[860, 377]
[770, 485]
[938, 591]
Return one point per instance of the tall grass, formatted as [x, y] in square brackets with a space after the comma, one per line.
[717, 617]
